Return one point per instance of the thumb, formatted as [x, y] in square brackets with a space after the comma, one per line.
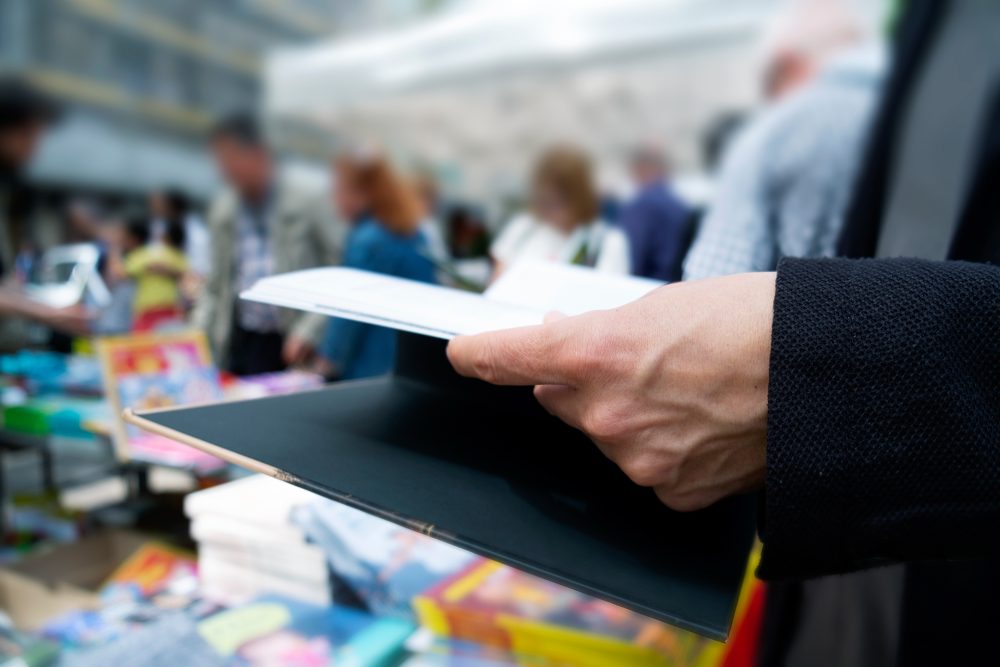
[522, 356]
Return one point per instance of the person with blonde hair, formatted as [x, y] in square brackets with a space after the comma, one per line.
[564, 224]
[385, 215]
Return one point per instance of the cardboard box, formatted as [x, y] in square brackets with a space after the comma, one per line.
[64, 578]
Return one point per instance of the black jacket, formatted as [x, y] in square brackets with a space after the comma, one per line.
[884, 405]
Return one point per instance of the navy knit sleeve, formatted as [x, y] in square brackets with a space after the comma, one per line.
[883, 415]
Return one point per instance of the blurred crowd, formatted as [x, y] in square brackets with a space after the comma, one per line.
[781, 179]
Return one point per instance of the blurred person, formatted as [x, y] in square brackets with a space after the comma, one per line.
[429, 195]
[784, 183]
[156, 268]
[655, 220]
[25, 115]
[84, 221]
[564, 224]
[117, 317]
[468, 237]
[174, 215]
[386, 237]
[718, 137]
[802, 36]
[263, 223]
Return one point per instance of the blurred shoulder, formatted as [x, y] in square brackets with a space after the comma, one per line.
[224, 205]
[302, 191]
[370, 232]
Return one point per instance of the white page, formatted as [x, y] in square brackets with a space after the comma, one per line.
[571, 290]
[443, 312]
[392, 302]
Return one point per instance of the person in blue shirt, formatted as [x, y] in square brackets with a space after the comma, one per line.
[385, 237]
[655, 220]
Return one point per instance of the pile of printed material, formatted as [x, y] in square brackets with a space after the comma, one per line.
[248, 544]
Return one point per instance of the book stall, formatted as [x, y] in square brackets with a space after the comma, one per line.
[125, 544]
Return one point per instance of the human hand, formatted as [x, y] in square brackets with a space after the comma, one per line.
[297, 350]
[74, 320]
[164, 269]
[672, 387]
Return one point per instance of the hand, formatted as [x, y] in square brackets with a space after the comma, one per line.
[73, 320]
[324, 367]
[672, 387]
[165, 270]
[297, 350]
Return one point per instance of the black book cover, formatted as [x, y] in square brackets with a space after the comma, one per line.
[487, 469]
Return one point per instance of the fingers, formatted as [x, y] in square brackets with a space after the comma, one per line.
[562, 402]
[523, 356]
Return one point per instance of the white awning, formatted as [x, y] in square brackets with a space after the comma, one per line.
[491, 39]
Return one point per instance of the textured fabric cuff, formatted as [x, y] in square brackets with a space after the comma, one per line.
[801, 516]
[883, 415]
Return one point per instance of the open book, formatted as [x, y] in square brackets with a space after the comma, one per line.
[521, 297]
[481, 467]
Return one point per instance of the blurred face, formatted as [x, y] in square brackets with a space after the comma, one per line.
[18, 144]
[120, 237]
[787, 73]
[645, 172]
[247, 169]
[552, 209]
[349, 199]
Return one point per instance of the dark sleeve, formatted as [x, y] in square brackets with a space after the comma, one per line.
[883, 415]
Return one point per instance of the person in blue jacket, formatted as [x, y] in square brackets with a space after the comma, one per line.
[385, 237]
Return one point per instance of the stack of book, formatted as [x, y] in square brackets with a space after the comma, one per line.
[248, 545]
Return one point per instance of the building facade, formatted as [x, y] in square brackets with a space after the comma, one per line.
[142, 80]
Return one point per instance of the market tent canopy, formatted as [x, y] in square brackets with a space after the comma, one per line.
[477, 91]
[487, 39]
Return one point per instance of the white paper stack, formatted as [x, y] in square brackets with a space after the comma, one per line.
[248, 545]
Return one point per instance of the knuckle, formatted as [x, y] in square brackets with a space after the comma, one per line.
[484, 364]
[679, 501]
[581, 359]
[641, 471]
[603, 423]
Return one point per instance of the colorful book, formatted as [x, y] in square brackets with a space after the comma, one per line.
[501, 607]
[153, 568]
[277, 631]
[152, 371]
[266, 632]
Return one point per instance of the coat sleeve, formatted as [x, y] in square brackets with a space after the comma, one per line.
[883, 415]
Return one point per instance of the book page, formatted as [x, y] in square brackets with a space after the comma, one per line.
[571, 290]
[407, 305]
[522, 297]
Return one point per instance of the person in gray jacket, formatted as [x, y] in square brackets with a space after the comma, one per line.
[263, 223]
